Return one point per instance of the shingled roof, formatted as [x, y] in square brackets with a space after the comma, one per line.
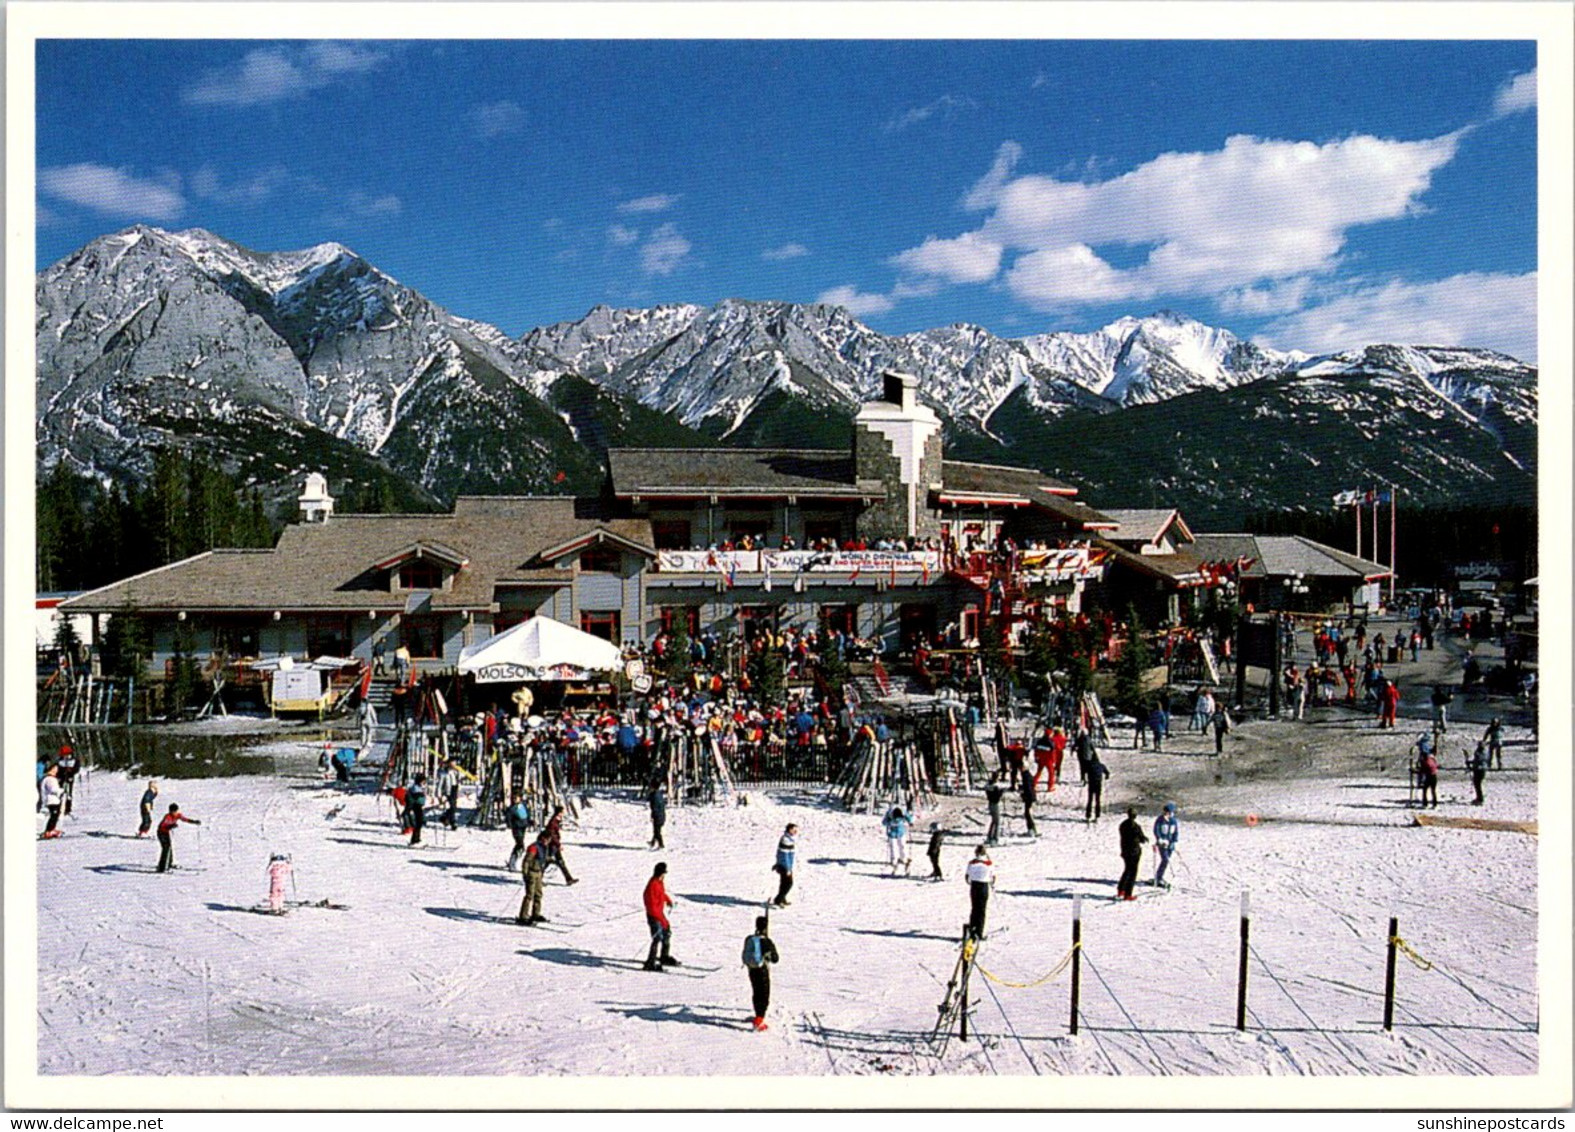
[1283, 555]
[963, 480]
[1145, 524]
[334, 565]
[1181, 570]
[689, 472]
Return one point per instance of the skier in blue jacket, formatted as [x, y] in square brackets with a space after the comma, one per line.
[518, 818]
[787, 850]
[896, 825]
[1167, 831]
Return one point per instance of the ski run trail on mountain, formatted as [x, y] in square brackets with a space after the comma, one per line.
[423, 971]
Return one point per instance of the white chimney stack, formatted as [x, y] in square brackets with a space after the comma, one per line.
[315, 502]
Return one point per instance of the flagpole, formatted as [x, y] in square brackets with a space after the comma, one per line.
[1356, 510]
[1374, 495]
[1394, 504]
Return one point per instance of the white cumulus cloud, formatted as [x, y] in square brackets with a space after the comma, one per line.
[1519, 93]
[656, 202]
[114, 192]
[1251, 213]
[1488, 310]
[620, 237]
[946, 105]
[276, 73]
[207, 184]
[855, 302]
[969, 258]
[664, 252]
[785, 252]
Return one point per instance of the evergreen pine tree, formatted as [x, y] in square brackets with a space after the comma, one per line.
[679, 663]
[183, 687]
[1131, 667]
[126, 647]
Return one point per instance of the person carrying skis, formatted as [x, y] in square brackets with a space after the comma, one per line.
[658, 800]
[517, 817]
[166, 829]
[552, 840]
[787, 850]
[280, 870]
[145, 808]
[993, 793]
[416, 808]
[759, 954]
[533, 872]
[937, 839]
[53, 797]
[1478, 766]
[1095, 782]
[1132, 841]
[657, 902]
[896, 826]
[980, 875]
[1167, 831]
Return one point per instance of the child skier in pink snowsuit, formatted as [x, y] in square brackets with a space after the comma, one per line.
[279, 870]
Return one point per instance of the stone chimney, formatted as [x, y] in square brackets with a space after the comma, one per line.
[315, 502]
[897, 441]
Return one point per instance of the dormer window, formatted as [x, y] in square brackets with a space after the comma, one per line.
[419, 574]
[601, 560]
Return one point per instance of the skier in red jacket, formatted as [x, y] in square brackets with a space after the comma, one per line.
[167, 826]
[657, 902]
[1389, 701]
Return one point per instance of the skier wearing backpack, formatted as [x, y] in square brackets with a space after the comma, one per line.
[981, 878]
[1427, 775]
[759, 954]
[787, 850]
[896, 826]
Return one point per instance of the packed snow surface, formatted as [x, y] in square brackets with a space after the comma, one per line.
[423, 971]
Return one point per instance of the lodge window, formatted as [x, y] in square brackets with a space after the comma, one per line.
[601, 560]
[756, 619]
[671, 534]
[607, 626]
[915, 621]
[237, 639]
[843, 617]
[422, 635]
[419, 574]
[508, 618]
[328, 636]
[670, 615]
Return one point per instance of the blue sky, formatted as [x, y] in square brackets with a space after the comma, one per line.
[1308, 195]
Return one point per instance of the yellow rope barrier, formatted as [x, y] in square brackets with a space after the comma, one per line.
[1410, 953]
[1066, 961]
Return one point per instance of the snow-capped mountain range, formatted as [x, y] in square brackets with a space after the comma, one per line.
[145, 336]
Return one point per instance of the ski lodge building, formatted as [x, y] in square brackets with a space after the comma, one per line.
[888, 539]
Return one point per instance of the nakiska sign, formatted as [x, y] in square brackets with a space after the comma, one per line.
[519, 673]
[1479, 571]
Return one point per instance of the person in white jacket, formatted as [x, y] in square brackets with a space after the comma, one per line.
[53, 795]
[981, 878]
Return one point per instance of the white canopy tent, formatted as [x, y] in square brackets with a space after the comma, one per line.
[539, 649]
